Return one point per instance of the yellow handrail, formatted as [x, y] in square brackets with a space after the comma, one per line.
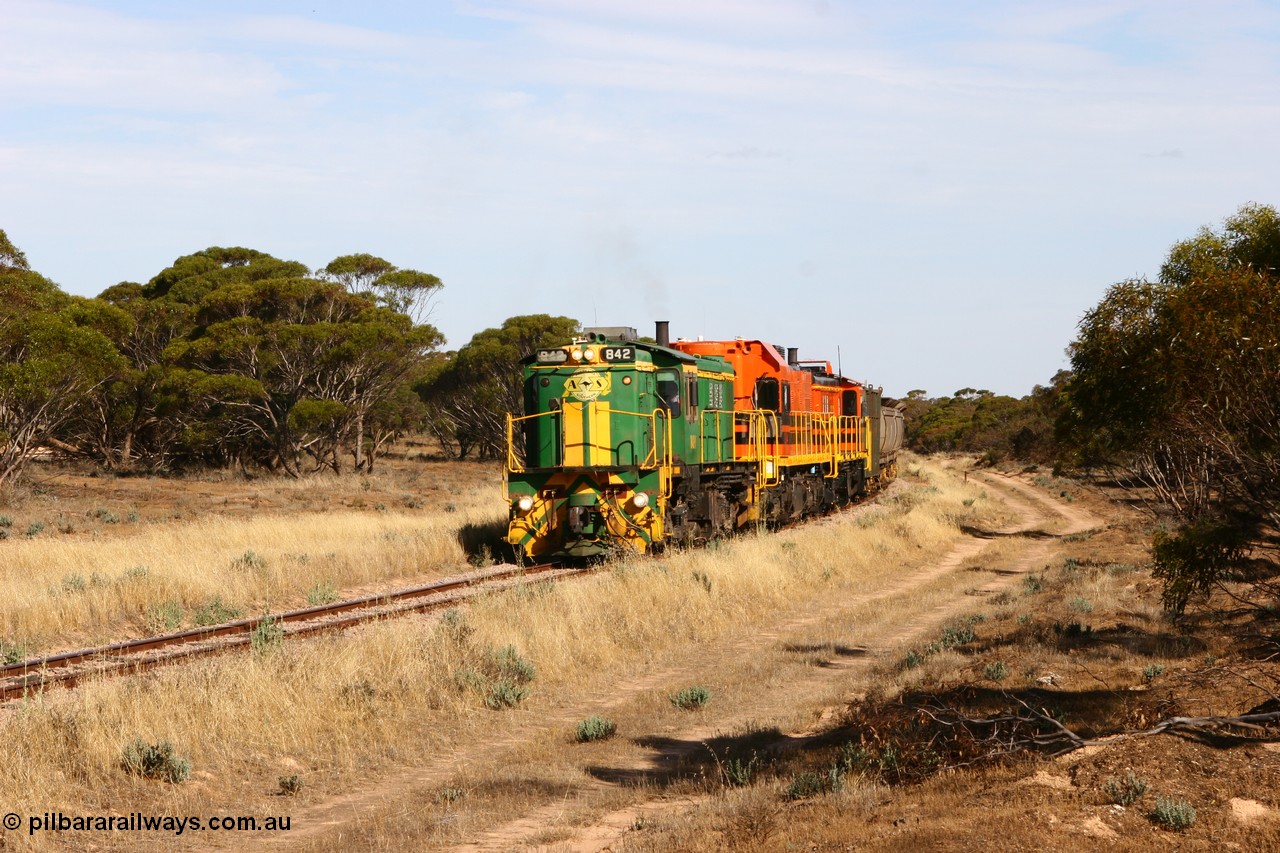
[514, 466]
[660, 434]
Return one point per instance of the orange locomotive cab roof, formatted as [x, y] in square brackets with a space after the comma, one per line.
[753, 360]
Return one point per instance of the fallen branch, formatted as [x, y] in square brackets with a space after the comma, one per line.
[1035, 730]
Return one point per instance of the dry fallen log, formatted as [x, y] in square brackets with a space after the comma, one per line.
[1035, 730]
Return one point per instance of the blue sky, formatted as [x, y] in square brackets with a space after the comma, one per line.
[938, 189]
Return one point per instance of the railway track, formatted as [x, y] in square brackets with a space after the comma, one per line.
[30, 677]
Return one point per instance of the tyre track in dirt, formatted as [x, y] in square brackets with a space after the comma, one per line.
[1036, 510]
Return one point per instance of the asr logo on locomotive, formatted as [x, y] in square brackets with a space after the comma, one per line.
[586, 384]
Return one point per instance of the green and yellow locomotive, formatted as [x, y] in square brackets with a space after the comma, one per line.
[612, 425]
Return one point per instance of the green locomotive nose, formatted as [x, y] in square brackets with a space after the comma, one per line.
[608, 426]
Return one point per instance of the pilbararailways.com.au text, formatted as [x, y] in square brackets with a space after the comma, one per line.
[138, 822]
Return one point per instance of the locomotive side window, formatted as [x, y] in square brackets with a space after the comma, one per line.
[691, 398]
[669, 391]
[849, 403]
[767, 396]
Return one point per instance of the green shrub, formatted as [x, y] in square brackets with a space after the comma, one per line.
[155, 761]
[164, 617]
[73, 582]
[448, 795]
[12, 653]
[290, 785]
[995, 671]
[1081, 605]
[511, 665]
[215, 612]
[504, 694]
[1126, 791]
[1152, 671]
[738, 771]
[267, 635]
[889, 759]
[249, 560]
[6, 521]
[1032, 584]
[856, 758]
[321, 593]
[913, 659]
[691, 697]
[35, 528]
[501, 674]
[596, 727]
[1175, 814]
[956, 635]
[136, 573]
[805, 785]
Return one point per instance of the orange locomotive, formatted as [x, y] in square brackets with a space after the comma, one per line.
[819, 439]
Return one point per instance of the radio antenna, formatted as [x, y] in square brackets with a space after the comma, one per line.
[839, 362]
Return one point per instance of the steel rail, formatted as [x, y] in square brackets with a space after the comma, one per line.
[34, 675]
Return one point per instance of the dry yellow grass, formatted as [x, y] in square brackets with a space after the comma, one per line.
[62, 590]
[335, 707]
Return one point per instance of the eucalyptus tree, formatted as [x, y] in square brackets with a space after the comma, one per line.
[1177, 383]
[313, 362]
[406, 291]
[51, 356]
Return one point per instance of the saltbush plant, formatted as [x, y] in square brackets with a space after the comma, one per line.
[214, 612]
[155, 761]
[1126, 791]
[691, 697]
[596, 727]
[500, 678]
[1175, 814]
[267, 636]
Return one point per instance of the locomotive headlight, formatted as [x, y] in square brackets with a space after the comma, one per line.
[524, 504]
[640, 501]
[588, 355]
[576, 355]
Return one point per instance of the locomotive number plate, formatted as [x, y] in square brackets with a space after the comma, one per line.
[616, 354]
[552, 356]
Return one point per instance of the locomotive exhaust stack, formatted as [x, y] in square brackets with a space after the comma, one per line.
[662, 333]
